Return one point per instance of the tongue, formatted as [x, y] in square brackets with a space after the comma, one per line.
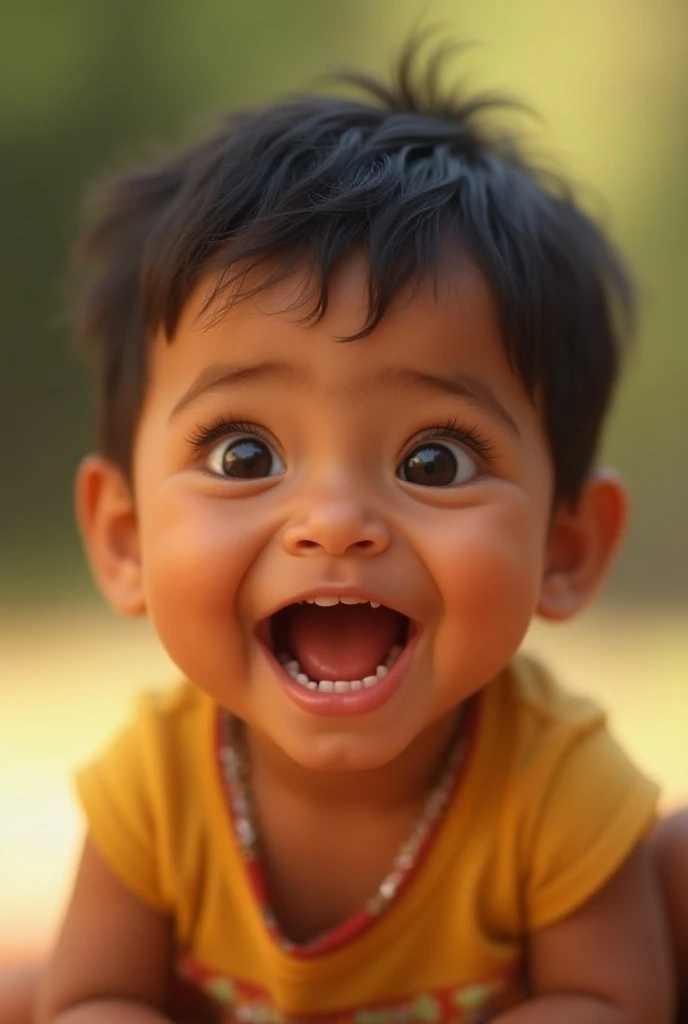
[342, 642]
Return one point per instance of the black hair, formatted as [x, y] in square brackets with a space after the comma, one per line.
[400, 176]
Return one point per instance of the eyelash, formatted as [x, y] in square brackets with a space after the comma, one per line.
[203, 437]
[454, 431]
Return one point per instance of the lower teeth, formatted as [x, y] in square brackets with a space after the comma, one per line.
[293, 667]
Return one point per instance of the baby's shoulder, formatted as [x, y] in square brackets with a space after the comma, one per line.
[148, 795]
[162, 740]
[542, 728]
[535, 705]
[572, 804]
[555, 746]
[168, 715]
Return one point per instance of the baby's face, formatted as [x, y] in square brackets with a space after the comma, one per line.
[275, 465]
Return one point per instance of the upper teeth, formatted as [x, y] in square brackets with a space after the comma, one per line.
[328, 602]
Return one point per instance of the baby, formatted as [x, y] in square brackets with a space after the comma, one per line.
[354, 358]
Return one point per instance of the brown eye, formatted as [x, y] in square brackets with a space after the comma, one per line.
[438, 465]
[245, 458]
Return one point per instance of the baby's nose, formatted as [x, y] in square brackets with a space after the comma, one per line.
[337, 527]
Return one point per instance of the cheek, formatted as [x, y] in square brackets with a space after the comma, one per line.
[489, 577]
[197, 552]
[494, 579]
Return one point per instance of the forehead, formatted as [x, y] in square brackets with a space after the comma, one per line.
[449, 324]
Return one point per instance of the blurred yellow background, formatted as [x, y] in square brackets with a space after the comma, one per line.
[86, 85]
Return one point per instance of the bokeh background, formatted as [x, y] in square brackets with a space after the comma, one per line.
[88, 85]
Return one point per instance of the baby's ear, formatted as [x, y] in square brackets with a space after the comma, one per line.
[107, 520]
[581, 546]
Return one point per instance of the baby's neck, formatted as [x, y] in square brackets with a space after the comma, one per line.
[404, 782]
[328, 840]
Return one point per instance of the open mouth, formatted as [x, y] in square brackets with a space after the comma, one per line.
[336, 645]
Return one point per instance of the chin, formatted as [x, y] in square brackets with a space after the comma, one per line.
[339, 753]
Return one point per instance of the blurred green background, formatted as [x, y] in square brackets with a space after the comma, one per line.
[89, 85]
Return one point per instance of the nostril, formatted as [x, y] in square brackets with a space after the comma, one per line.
[307, 545]
[336, 534]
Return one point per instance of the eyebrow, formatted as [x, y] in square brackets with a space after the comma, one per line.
[218, 376]
[221, 375]
[465, 385]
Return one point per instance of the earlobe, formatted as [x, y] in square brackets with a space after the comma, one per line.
[581, 546]
[109, 530]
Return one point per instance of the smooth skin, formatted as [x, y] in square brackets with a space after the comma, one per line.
[18, 988]
[671, 852]
[209, 557]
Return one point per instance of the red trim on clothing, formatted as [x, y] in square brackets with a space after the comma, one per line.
[362, 919]
[208, 997]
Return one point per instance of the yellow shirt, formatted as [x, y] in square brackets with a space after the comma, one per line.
[546, 809]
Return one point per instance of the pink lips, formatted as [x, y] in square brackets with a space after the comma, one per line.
[353, 702]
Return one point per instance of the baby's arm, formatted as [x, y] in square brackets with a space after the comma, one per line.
[607, 963]
[671, 850]
[113, 956]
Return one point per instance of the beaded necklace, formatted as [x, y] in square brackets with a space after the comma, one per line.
[236, 777]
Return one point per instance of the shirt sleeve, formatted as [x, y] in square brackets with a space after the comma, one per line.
[596, 808]
[117, 792]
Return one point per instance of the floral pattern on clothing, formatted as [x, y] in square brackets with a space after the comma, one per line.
[205, 996]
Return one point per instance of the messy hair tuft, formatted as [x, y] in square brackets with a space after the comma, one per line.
[405, 174]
